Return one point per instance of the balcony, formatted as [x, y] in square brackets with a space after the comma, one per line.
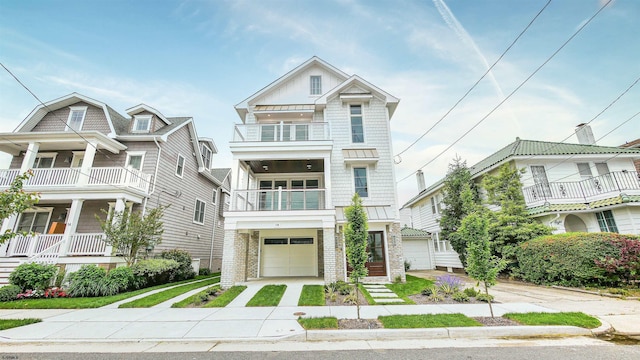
[52, 178]
[281, 132]
[584, 191]
[278, 200]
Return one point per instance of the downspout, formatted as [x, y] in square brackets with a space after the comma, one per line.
[155, 177]
[213, 233]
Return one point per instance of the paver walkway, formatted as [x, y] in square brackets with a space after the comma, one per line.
[381, 294]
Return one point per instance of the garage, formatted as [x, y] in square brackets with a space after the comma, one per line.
[294, 256]
[417, 249]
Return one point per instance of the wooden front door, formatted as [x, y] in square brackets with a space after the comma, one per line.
[375, 248]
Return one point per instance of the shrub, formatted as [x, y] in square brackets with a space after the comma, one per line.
[484, 297]
[204, 271]
[87, 281]
[185, 271]
[9, 292]
[339, 287]
[471, 292]
[449, 284]
[625, 267]
[407, 265]
[430, 290]
[33, 276]
[352, 297]
[117, 280]
[460, 297]
[567, 259]
[62, 272]
[155, 271]
[436, 297]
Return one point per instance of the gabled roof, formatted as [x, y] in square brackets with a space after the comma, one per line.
[222, 174]
[143, 107]
[530, 148]
[407, 232]
[355, 80]
[43, 109]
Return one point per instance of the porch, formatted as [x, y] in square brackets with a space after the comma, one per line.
[47, 248]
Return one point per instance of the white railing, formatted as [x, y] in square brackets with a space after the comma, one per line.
[278, 200]
[87, 244]
[276, 132]
[29, 245]
[49, 255]
[98, 176]
[43, 246]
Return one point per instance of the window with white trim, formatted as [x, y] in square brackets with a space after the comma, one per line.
[34, 221]
[360, 181]
[357, 127]
[76, 118]
[141, 124]
[315, 85]
[135, 159]
[606, 221]
[215, 196]
[206, 156]
[180, 166]
[44, 160]
[198, 214]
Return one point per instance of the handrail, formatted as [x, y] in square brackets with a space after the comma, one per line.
[281, 132]
[278, 199]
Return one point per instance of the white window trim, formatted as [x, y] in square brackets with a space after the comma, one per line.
[311, 85]
[364, 131]
[214, 198]
[84, 116]
[141, 117]
[207, 166]
[181, 175]
[353, 180]
[204, 211]
[36, 210]
[52, 155]
[135, 153]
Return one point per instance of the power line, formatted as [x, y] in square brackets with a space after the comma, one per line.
[477, 82]
[514, 91]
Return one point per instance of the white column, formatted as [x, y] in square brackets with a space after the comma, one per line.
[87, 163]
[72, 225]
[327, 183]
[29, 157]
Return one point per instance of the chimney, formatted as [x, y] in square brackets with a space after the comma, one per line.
[585, 135]
[420, 178]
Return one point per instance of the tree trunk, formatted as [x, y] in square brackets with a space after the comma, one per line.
[358, 299]
[486, 291]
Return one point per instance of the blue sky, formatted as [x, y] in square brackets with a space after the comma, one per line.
[200, 58]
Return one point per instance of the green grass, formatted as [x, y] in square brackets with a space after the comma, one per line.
[226, 297]
[195, 299]
[414, 285]
[11, 323]
[312, 295]
[319, 323]
[269, 295]
[155, 299]
[366, 295]
[426, 321]
[564, 318]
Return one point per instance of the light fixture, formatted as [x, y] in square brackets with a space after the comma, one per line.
[309, 166]
[265, 167]
[68, 159]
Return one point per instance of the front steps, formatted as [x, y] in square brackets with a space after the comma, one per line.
[7, 265]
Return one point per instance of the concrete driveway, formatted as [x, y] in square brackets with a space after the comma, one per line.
[623, 315]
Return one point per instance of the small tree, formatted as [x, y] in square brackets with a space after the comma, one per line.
[131, 233]
[14, 200]
[356, 235]
[481, 265]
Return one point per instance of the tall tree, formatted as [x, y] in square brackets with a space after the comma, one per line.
[356, 235]
[131, 232]
[511, 224]
[15, 200]
[454, 210]
[481, 264]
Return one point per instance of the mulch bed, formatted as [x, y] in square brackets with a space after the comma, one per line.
[425, 300]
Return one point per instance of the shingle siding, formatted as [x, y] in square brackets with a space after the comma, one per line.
[94, 119]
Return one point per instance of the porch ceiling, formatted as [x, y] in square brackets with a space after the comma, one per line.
[285, 166]
[14, 143]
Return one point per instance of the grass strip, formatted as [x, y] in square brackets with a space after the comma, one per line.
[86, 302]
[196, 299]
[414, 285]
[226, 297]
[366, 295]
[269, 295]
[312, 295]
[426, 321]
[563, 318]
[318, 323]
[157, 298]
[11, 323]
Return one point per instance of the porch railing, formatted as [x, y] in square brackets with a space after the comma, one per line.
[44, 245]
[29, 245]
[584, 191]
[278, 200]
[48, 256]
[98, 176]
[87, 244]
[276, 132]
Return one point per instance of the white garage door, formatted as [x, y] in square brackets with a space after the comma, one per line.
[417, 253]
[289, 257]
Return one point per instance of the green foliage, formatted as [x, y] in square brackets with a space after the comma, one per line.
[269, 295]
[87, 281]
[155, 271]
[426, 321]
[436, 297]
[11, 323]
[185, 271]
[9, 292]
[33, 276]
[412, 286]
[460, 297]
[355, 234]
[318, 323]
[430, 290]
[131, 232]
[563, 318]
[352, 297]
[14, 200]
[457, 206]
[165, 295]
[407, 265]
[117, 280]
[471, 292]
[204, 271]
[226, 297]
[484, 297]
[311, 295]
[568, 259]
[339, 286]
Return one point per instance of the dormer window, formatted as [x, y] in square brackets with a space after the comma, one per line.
[76, 118]
[206, 156]
[141, 123]
[316, 85]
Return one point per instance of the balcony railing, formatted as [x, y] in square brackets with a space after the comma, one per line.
[37, 246]
[59, 177]
[278, 200]
[281, 132]
[583, 191]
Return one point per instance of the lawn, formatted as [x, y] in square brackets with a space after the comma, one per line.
[312, 295]
[319, 323]
[426, 321]
[221, 300]
[226, 297]
[414, 285]
[11, 323]
[269, 295]
[157, 298]
[564, 318]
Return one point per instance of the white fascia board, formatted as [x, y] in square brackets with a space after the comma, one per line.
[279, 220]
[212, 144]
[144, 107]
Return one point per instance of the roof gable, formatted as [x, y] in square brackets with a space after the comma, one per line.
[356, 86]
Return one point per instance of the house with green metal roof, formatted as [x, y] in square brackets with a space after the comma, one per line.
[571, 187]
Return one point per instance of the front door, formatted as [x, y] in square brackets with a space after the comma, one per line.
[375, 249]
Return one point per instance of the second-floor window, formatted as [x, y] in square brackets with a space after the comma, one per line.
[360, 181]
[180, 166]
[206, 156]
[606, 221]
[357, 128]
[316, 85]
[76, 118]
[198, 214]
[44, 161]
[134, 160]
[141, 123]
